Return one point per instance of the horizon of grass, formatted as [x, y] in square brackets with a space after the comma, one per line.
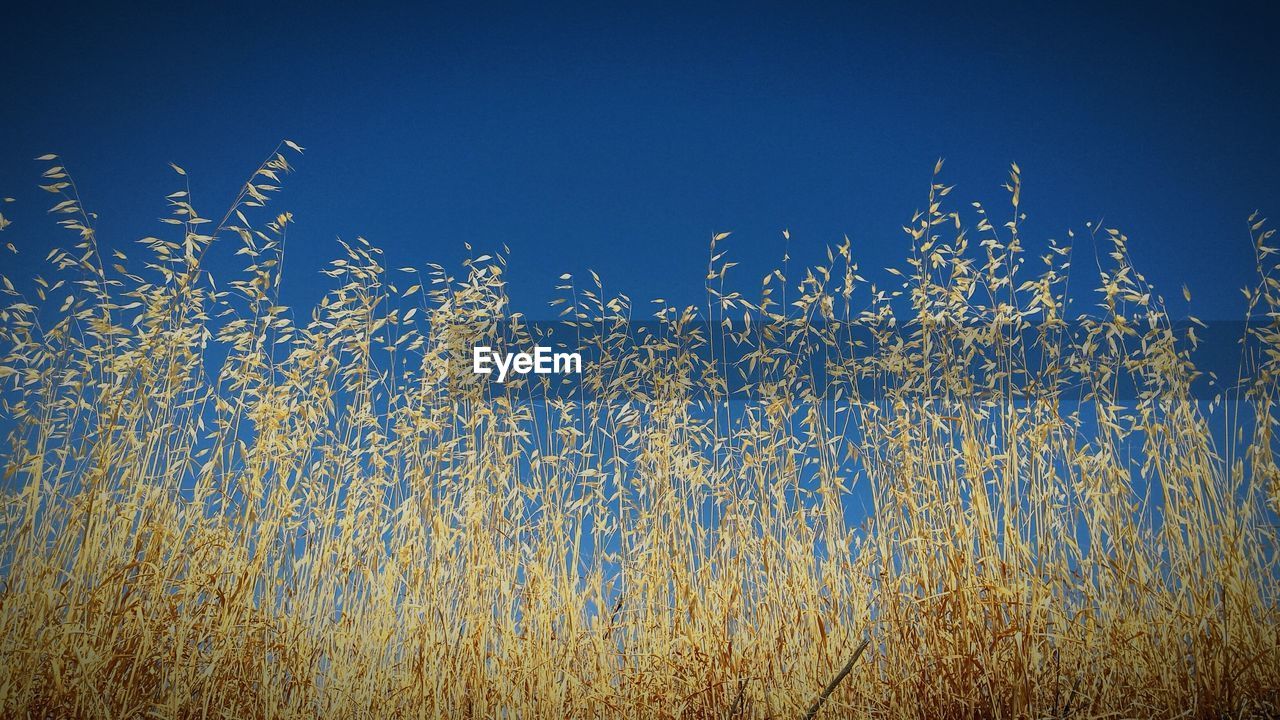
[212, 509]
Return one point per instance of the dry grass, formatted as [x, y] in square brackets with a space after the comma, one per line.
[212, 510]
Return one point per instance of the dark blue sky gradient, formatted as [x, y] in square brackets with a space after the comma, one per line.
[620, 139]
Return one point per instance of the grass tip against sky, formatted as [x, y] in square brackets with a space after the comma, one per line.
[617, 139]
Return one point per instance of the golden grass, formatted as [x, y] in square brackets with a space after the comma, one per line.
[212, 510]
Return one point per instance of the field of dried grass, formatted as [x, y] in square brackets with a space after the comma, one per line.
[216, 506]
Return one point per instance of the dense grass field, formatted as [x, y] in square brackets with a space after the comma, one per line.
[995, 500]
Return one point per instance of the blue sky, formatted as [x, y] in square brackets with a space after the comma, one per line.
[621, 139]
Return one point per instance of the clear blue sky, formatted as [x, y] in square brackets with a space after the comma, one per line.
[620, 139]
